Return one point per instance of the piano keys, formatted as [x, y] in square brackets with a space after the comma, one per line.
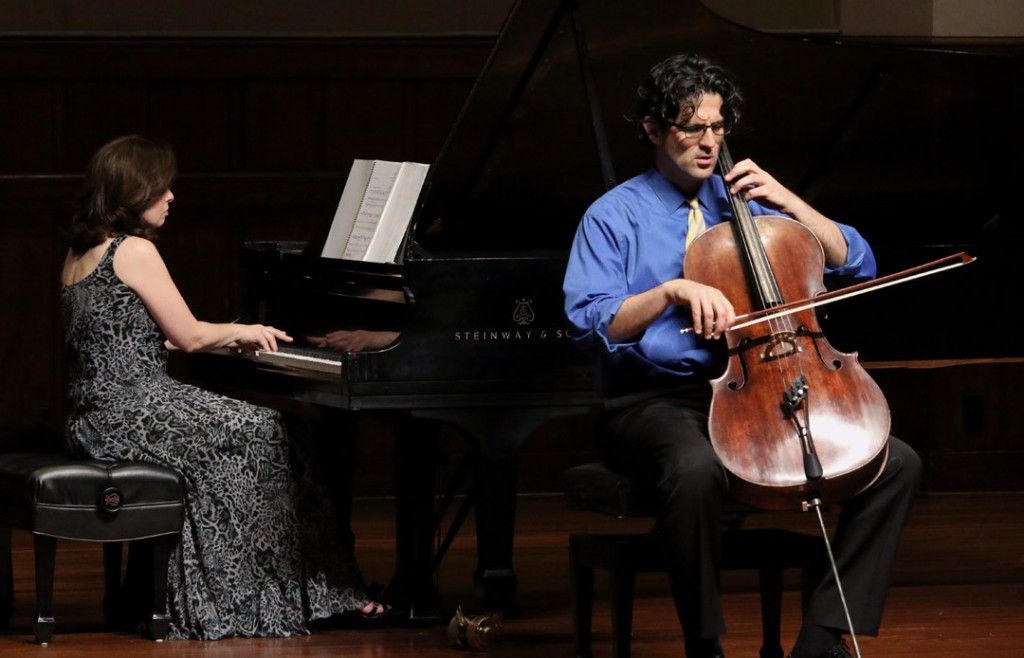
[301, 358]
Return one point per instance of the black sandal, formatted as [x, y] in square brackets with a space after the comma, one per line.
[377, 611]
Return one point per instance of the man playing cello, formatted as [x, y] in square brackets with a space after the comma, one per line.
[627, 302]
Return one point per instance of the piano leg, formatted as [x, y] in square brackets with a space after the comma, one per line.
[495, 479]
[495, 436]
[416, 459]
[334, 450]
[496, 473]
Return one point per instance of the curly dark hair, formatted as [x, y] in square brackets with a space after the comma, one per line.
[122, 181]
[677, 84]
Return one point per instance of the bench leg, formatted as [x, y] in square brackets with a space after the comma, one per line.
[6, 577]
[159, 621]
[113, 604]
[581, 587]
[142, 597]
[46, 560]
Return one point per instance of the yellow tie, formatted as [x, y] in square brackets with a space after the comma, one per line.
[695, 223]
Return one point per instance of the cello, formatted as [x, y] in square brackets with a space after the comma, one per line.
[792, 419]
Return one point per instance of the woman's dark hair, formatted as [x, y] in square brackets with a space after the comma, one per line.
[122, 181]
[678, 83]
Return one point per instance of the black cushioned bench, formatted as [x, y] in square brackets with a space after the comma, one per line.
[55, 496]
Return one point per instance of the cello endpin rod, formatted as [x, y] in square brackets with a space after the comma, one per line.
[816, 504]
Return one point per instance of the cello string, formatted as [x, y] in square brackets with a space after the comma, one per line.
[750, 238]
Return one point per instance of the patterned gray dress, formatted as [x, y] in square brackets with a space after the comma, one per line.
[260, 554]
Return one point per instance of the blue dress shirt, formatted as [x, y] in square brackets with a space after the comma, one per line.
[631, 240]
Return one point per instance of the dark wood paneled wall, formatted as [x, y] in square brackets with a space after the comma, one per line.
[265, 131]
[966, 420]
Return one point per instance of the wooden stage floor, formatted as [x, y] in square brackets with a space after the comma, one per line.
[958, 591]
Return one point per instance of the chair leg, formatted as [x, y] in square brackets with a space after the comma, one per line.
[623, 581]
[46, 560]
[159, 621]
[815, 566]
[581, 587]
[6, 577]
[771, 612]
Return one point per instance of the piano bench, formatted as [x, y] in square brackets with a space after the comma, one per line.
[595, 487]
[55, 496]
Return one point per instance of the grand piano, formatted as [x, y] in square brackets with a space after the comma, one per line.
[915, 147]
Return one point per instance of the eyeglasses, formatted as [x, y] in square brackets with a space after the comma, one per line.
[692, 130]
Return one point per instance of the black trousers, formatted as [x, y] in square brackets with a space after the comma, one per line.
[663, 440]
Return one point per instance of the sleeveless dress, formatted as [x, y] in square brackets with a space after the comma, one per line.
[260, 554]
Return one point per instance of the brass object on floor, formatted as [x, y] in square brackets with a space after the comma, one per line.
[474, 633]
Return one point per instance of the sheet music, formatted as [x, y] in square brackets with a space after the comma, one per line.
[371, 209]
[398, 210]
[374, 212]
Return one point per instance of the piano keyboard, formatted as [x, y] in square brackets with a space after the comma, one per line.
[303, 358]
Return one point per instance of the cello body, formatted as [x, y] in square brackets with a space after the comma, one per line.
[787, 398]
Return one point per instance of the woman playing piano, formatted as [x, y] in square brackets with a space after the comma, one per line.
[260, 554]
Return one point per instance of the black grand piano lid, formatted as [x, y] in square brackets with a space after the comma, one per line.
[917, 148]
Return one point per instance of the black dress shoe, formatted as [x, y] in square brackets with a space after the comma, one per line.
[707, 649]
[838, 651]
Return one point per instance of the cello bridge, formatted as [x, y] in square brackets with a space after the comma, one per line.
[780, 346]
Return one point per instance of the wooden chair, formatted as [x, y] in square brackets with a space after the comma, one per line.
[594, 487]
